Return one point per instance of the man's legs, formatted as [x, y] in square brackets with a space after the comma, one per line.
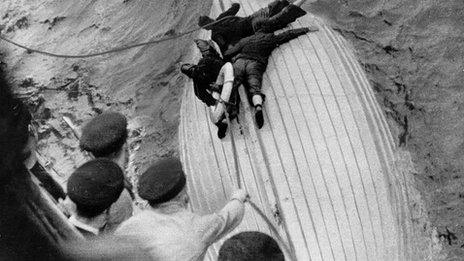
[219, 110]
[217, 115]
[279, 20]
[255, 71]
[270, 10]
[288, 15]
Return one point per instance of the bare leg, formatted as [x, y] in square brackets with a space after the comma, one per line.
[299, 2]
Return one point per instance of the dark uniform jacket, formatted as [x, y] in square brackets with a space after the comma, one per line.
[259, 46]
[231, 29]
[277, 15]
[212, 63]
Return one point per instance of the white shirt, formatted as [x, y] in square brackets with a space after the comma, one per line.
[226, 80]
[172, 232]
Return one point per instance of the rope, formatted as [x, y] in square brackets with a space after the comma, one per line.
[252, 204]
[114, 50]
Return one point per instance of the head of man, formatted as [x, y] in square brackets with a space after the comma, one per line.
[163, 182]
[105, 136]
[250, 245]
[94, 187]
[205, 22]
[205, 72]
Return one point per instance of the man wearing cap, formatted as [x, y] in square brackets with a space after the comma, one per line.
[94, 187]
[105, 136]
[167, 228]
[250, 246]
[228, 28]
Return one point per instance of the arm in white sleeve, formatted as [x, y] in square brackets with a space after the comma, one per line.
[228, 218]
[226, 79]
[227, 72]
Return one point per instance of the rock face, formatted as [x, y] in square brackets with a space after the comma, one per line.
[143, 83]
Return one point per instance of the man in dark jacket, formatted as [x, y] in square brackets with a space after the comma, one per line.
[213, 82]
[231, 28]
[250, 57]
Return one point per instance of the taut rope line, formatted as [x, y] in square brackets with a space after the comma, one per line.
[114, 50]
[252, 204]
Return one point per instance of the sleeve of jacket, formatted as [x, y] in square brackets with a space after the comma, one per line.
[224, 221]
[233, 10]
[203, 95]
[234, 50]
[289, 35]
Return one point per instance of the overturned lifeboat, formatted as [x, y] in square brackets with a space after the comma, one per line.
[322, 168]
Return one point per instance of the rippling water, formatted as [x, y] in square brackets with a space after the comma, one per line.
[413, 51]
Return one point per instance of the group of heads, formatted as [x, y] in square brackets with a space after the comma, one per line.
[98, 183]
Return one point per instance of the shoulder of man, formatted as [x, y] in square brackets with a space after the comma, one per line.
[133, 224]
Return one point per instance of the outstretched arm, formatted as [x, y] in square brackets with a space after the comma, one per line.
[233, 10]
[234, 50]
[228, 218]
[291, 34]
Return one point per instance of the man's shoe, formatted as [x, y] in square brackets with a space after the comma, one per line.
[259, 118]
[222, 129]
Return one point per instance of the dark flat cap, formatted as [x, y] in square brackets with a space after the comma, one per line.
[96, 185]
[250, 246]
[104, 134]
[163, 181]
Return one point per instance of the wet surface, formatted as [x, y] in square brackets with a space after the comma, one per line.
[413, 52]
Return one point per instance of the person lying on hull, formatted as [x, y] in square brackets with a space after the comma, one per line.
[94, 187]
[105, 136]
[213, 81]
[231, 28]
[167, 229]
[250, 57]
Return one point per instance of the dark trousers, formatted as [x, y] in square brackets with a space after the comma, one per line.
[276, 16]
[270, 10]
[249, 73]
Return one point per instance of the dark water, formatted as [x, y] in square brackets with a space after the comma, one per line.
[413, 52]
